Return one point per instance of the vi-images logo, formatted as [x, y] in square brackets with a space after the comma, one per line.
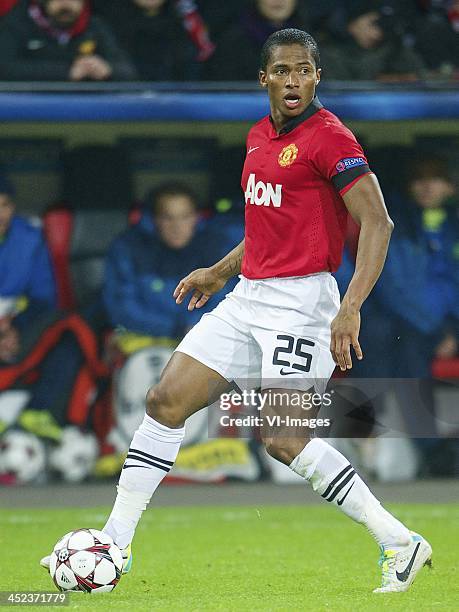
[260, 193]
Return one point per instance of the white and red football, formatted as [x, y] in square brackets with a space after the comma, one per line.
[86, 560]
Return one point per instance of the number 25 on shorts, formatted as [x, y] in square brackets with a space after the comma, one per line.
[292, 347]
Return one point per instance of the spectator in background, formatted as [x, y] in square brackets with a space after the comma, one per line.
[237, 57]
[420, 282]
[27, 287]
[143, 267]
[437, 35]
[413, 314]
[34, 337]
[196, 28]
[59, 40]
[154, 33]
[373, 46]
[219, 14]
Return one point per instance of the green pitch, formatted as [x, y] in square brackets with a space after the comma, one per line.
[241, 558]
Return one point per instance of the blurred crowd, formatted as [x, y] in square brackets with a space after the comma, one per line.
[87, 321]
[189, 40]
[73, 373]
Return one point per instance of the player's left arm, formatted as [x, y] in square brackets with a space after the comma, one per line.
[365, 203]
[204, 282]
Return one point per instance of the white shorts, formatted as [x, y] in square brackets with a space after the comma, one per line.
[272, 333]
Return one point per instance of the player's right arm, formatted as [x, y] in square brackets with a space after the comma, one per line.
[204, 282]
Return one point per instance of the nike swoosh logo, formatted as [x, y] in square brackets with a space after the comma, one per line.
[252, 149]
[340, 502]
[286, 373]
[403, 576]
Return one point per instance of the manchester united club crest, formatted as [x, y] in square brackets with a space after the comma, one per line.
[288, 155]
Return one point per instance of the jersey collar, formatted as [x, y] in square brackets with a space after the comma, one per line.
[308, 112]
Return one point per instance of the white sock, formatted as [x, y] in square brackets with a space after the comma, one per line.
[333, 477]
[151, 455]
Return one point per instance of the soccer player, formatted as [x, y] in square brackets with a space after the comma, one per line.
[283, 323]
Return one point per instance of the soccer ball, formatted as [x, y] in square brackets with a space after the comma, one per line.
[22, 456]
[86, 560]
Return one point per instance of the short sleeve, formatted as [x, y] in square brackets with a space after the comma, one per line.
[337, 156]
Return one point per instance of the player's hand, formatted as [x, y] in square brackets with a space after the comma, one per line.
[203, 282]
[90, 67]
[98, 68]
[79, 70]
[345, 330]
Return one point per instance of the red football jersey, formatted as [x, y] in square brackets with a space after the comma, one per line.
[295, 217]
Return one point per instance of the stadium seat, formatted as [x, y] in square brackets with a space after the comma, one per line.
[57, 227]
[78, 241]
[97, 193]
[92, 233]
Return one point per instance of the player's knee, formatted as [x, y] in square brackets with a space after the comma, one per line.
[162, 408]
[283, 450]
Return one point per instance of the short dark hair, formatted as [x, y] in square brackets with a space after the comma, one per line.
[171, 188]
[428, 166]
[290, 36]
